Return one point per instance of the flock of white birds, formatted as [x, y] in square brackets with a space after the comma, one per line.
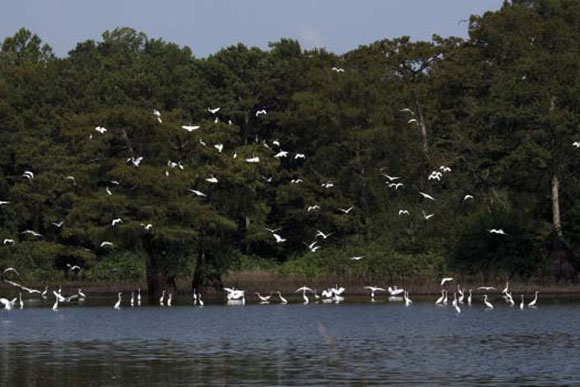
[233, 295]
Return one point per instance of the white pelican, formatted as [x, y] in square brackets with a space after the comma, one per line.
[446, 279]
[198, 193]
[374, 289]
[407, 299]
[426, 196]
[118, 304]
[533, 302]
[190, 128]
[440, 299]
[345, 210]
[282, 299]
[522, 303]
[264, 299]
[395, 291]
[161, 299]
[486, 302]
[279, 239]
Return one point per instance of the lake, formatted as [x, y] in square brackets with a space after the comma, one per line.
[354, 343]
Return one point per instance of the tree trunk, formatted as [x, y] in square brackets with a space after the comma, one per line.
[158, 277]
[422, 126]
[556, 207]
[206, 275]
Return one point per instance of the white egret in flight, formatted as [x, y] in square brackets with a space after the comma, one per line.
[445, 280]
[198, 193]
[278, 238]
[190, 128]
[426, 196]
[214, 110]
[347, 210]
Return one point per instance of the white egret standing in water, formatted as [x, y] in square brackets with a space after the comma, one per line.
[486, 302]
[282, 299]
[533, 302]
[118, 304]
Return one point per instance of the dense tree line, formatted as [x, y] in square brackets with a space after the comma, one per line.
[501, 109]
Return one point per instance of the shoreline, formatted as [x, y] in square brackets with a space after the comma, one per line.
[266, 281]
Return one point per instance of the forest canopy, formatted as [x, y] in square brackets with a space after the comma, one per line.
[118, 152]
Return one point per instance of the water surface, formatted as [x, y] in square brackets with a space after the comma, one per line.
[346, 344]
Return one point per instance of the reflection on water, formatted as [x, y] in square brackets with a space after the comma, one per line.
[290, 345]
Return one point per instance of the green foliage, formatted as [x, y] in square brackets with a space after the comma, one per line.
[500, 108]
[120, 266]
